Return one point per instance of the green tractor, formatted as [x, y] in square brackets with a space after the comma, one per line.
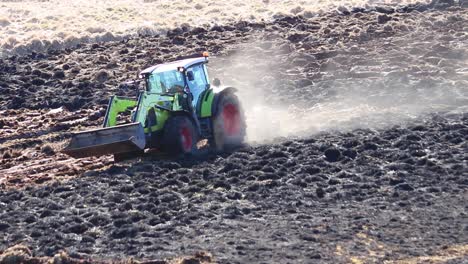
[177, 109]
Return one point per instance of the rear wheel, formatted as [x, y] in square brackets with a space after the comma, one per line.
[180, 136]
[228, 123]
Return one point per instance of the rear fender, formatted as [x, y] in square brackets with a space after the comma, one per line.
[204, 103]
[218, 96]
[206, 106]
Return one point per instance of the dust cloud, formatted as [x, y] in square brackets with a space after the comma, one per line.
[329, 103]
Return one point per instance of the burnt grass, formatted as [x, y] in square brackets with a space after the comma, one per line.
[371, 194]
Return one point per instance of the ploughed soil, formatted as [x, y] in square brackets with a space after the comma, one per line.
[371, 189]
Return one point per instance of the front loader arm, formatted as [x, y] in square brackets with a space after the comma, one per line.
[117, 105]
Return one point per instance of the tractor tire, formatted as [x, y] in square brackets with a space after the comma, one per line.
[228, 123]
[180, 136]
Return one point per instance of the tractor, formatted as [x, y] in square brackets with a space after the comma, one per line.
[176, 110]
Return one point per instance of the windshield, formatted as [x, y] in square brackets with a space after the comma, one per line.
[166, 82]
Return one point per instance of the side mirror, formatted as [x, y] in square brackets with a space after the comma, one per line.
[190, 76]
[216, 82]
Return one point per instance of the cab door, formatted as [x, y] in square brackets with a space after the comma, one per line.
[197, 81]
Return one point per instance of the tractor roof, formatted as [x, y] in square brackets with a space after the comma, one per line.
[173, 65]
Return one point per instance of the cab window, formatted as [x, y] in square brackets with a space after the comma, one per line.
[199, 82]
[166, 82]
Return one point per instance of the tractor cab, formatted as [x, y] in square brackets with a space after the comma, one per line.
[188, 76]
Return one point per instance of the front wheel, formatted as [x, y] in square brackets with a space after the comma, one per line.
[180, 136]
[228, 123]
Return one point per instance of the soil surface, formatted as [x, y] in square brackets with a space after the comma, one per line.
[390, 185]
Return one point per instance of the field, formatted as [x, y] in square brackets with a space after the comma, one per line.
[27, 26]
[357, 128]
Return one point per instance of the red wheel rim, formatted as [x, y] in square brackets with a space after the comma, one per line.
[186, 137]
[231, 120]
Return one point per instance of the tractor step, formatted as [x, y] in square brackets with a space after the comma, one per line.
[105, 141]
[205, 127]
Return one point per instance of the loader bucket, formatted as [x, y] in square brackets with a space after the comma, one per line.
[104, 141]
